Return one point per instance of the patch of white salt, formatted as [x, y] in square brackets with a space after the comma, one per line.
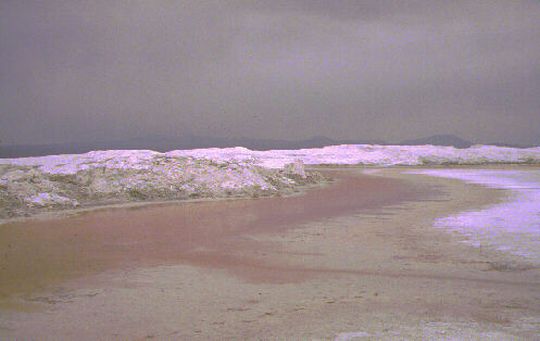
[512, 226]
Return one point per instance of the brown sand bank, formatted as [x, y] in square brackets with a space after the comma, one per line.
[359, 256]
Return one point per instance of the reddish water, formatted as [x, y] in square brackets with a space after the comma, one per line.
[38, 254]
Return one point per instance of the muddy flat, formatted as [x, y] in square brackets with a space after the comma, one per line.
[357, 258]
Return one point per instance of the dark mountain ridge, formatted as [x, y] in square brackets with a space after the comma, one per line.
[440, 140]
[167, 143]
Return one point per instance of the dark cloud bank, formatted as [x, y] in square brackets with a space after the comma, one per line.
[97, 71]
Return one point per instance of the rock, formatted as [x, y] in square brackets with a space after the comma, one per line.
[48, 199]
[62, 182]
[295, 168]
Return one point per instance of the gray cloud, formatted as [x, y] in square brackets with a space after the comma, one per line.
[80, 71]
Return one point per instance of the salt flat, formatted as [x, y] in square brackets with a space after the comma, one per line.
[34, 185]
[512, 226]
[358, 258]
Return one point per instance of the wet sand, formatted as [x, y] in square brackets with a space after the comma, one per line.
[202, 233]
[358, 256]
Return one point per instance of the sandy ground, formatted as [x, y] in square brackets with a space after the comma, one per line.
[358, 258]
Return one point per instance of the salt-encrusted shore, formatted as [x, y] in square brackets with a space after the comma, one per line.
[59, 182]
[30, 186]
[357, 258]
[374, 155]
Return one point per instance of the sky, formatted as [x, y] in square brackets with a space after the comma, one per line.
[78, 71]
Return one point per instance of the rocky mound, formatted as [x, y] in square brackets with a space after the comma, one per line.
[34, 185]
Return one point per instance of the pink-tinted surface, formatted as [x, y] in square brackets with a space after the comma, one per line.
[39, 253]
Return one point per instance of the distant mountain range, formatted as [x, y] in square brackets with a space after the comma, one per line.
[166, 143]
[440, 140]
[458, 142]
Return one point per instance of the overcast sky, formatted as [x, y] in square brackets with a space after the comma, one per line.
[374, 69]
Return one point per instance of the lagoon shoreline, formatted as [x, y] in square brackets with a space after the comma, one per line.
[381, 271]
